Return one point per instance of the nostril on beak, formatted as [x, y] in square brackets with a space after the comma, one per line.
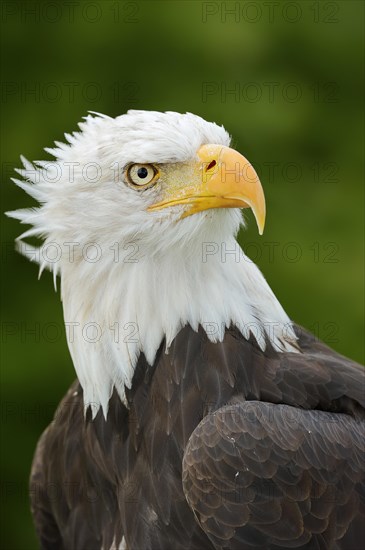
[211, 165]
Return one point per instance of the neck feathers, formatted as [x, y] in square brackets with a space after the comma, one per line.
[120, 309]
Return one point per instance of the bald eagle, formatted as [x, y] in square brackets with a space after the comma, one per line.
[202, 417]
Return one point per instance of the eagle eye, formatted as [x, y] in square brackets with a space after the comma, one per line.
[141, 175]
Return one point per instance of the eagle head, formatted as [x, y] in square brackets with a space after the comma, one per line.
[135, 212]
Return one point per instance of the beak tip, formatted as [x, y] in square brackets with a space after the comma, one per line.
[261, 229]
[260, 220]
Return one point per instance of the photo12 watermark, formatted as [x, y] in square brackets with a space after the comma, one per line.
[271, 12]
[70, 12]
[269, 92]
[69, 92]
[271, 251]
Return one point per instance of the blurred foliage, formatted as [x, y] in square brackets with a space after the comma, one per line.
[286, 81]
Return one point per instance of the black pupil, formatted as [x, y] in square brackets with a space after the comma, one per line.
[142, 172]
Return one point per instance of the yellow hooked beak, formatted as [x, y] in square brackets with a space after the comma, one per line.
[225, 179]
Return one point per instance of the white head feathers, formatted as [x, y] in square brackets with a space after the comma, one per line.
[129, 277]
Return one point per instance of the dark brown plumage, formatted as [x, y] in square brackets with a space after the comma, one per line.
[223, 446]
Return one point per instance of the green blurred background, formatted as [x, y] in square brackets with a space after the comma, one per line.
[285, 79]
